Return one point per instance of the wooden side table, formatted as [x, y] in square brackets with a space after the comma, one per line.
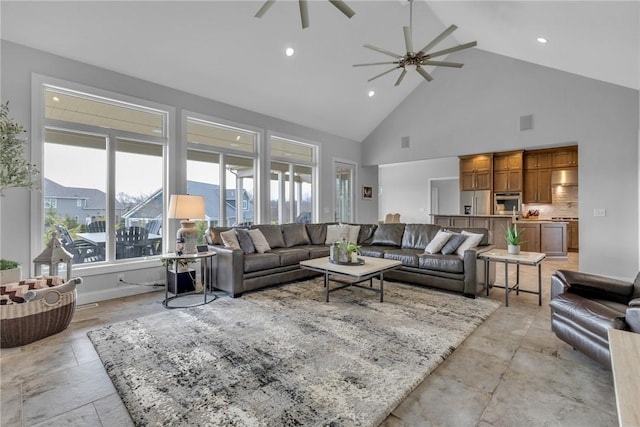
[206, 273]
[523, 258]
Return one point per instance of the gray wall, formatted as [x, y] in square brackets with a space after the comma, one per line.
[477, 109]
[18, 64]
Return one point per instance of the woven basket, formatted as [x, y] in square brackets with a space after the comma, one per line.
[45, 312]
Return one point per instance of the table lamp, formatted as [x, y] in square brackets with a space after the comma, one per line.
[187, 208]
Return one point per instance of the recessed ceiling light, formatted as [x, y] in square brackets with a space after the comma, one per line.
[372, 93]
[289, 51]
[56, 99]
[541, 40]
[238, 138]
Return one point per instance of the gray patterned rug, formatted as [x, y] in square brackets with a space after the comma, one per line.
[284, 357]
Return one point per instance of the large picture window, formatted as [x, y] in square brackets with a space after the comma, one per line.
[103, 176]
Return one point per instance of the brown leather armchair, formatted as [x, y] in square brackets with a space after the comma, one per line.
[585, 306]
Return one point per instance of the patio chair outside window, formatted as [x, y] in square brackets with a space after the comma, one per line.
[132, 242]
[81, 250]
[97, 227]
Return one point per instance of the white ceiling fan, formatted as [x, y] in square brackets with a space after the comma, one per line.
[304, 10]
[419, 58]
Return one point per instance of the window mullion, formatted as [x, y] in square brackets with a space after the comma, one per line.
[111, 199]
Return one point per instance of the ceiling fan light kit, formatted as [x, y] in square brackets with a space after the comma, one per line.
[419, 58]
[304, 10]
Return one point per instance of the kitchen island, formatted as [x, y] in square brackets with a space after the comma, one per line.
[541, 235]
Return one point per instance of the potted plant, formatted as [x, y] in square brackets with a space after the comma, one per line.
[15, 171]
[10, 271]
[513, 237]
[353, 250]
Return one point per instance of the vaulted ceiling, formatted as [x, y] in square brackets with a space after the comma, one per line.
[219, 50]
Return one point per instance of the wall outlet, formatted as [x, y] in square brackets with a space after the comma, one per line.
[120, 277]
[599, 212]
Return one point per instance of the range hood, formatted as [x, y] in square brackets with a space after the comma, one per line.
[564, 177]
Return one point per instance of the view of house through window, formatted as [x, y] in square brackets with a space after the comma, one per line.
[291, 199]
[103, 188]
[216, 148]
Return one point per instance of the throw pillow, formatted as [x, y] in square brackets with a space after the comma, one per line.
[317, 233]
[295, 235]
[636, 287]
[470, 242]
[452, 244]
[246, 244]
[337, 232]
[353, 232]
[272, 233]
[230, 239]
[259, 241]
[438, 241]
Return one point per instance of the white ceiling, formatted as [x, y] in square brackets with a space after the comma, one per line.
[218, 50]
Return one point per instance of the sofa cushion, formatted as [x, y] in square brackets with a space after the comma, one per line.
[589, 314]
[483, 231]
[373, 251]
[258, 240]
[453, 243]
[418, 236]
[294, 235]
[472, 241]
[258, 262]
[315, 251]
[272, 233]
[317, 233]
[388, 235]
[406, 256]
[436, 244]
[365, 236]
[439, 262]
[246, 244]
[230, 239]
[291, 256]
[213, 235]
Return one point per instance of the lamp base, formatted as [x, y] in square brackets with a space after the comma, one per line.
[188, 234]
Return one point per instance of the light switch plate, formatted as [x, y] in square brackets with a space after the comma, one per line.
[599, 212]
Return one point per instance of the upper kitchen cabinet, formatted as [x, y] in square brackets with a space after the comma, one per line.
[476, 172]
[566, 157]
[537, 186]
[507, 171]
[537, 160]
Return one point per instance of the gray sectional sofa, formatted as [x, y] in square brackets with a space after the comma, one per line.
[238, 272]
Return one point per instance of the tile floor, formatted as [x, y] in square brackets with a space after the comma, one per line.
[511, 371]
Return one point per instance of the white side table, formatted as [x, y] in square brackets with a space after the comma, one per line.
[206, 273]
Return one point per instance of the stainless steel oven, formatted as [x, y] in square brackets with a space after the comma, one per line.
[507, 203]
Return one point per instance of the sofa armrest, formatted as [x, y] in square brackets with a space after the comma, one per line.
[229, 270]
[470, 261]
[591, 286]
[632, 317]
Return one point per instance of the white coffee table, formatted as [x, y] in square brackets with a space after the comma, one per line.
[523, 258]
[354, 274]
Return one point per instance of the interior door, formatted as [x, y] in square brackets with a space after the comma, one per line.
[344, 174]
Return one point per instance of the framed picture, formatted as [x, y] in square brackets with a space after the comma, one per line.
[367, 192]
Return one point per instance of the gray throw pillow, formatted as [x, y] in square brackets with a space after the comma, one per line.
[317, 233]
[272, 233]
[294, 235]
[246, 244]
[452, 244]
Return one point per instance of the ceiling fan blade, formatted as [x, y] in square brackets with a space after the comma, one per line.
[382, 74]
[304, 13]
[443, 64]
[408, 40]
[424, 73]
[438, 39]
[451, 49]
[264, 8]
[378, 49]
[374, 63]
[342, 6]
[404, 71]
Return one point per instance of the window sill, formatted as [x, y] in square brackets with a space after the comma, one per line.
[117, 266]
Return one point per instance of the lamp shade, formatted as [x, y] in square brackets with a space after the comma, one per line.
[185, 206]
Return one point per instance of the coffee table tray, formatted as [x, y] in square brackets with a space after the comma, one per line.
[360, 262]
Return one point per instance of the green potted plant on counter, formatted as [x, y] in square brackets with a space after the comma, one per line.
[10, 271]
[514, 240]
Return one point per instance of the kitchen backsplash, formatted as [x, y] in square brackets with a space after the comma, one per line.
[565, 203]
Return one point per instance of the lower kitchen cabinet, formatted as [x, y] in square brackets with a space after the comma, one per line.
[553, 239]
[531, 236]
[573, 242]
[499, 230]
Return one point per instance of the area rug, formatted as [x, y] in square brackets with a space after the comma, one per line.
[284, 357]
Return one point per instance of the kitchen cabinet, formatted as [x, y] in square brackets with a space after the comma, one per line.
[499, 230]
[531, 236]
[572, 236]
[553, 239]
[564, 157]
[442, 221]
[476, 172]
[480, 222]
[537, 186]
[459, 221]
[505, 181]
[537, 160]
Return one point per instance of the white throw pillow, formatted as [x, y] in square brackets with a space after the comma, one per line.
[336, 232]
[230, 239]
[354, 230]
[259, 241]
[438, 241]
[472, 240]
